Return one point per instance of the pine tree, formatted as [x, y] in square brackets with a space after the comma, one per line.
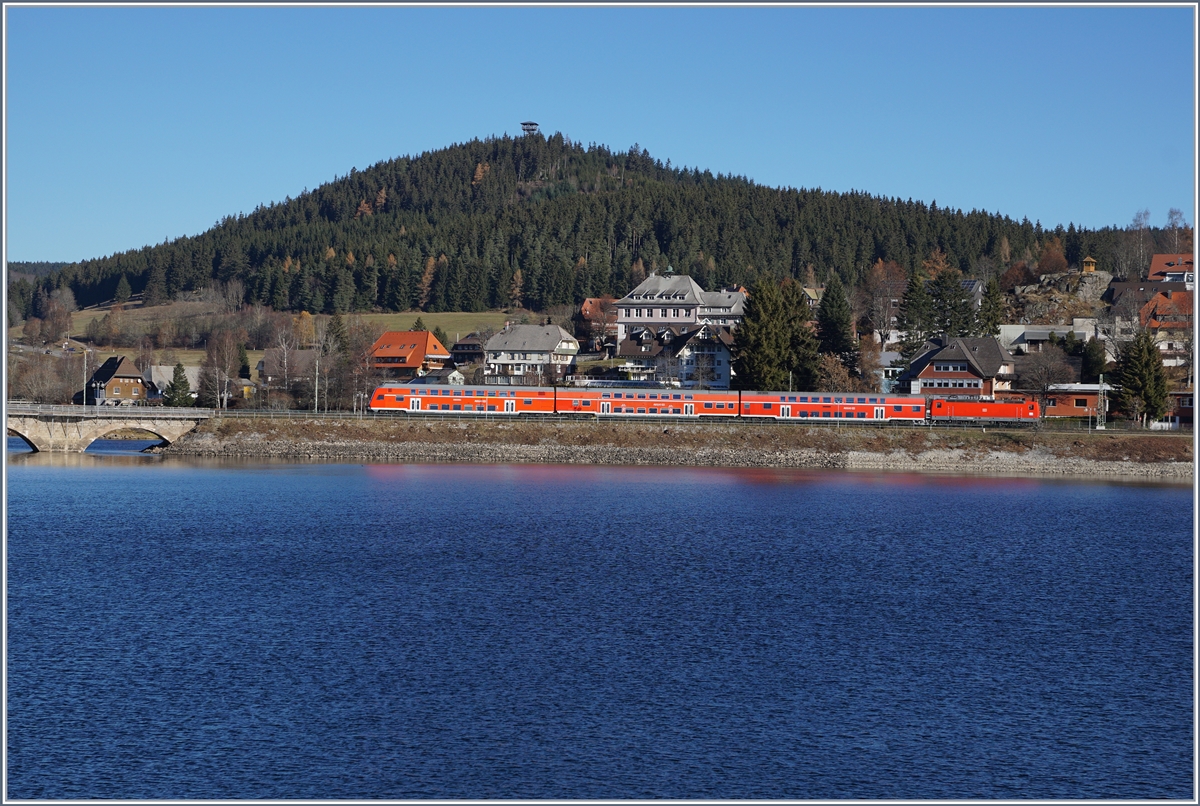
[337, 332]
[952, 314]
[760, 345]
[123, 292]
[419, 324]
[178, 391]
[155, 292]
[1094, 360]
[803, 358]
[991, 310]
[440, 335]
[834, 324]
[515, 291]
[243, 362]
[1143, 381]
[915, 317]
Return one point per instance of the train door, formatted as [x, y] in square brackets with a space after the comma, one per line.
[414, 403]
[689, 408]
[879, 412]
[605, 407]
[785, 411]
[510, 406]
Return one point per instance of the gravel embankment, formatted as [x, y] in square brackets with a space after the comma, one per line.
[1150, 457]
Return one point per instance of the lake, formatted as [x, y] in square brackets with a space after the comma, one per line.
[203, 629]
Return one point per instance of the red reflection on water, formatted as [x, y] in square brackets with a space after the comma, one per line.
[542, 475]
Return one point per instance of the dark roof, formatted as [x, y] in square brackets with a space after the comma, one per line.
[670, 339]
[117, 367]
[1141, 290]
[983, 354]
[299, 363]
[1073, 362]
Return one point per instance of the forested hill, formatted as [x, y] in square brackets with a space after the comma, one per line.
[545, 221]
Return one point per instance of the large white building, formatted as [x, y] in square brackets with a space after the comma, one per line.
[676, 300]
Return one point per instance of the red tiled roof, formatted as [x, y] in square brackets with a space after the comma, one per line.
[1171, 312]
[412, 347]
[1161, 264]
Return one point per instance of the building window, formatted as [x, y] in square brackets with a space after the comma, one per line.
[1080, 403]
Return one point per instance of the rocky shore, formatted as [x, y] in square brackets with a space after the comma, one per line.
[960, 452]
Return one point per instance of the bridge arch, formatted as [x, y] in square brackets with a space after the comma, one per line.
[12, 432]
[89, 435]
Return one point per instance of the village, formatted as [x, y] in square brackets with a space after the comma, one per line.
[668, 332]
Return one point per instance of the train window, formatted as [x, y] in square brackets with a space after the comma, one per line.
[897, 408]
[642, 397]
[783, 398]
[802, 414]
[826, 400]
[654, 397]
[837, 414]
[528, 402]
[457, 392]
[491, 407]
[688, 397]
[916, 408]
[605, 395]
[862, 400]
[745, 407]
[766, 406]
[824, 414]
[676, 397]
[458, 407]
[708, 405]
[617, 395]
[722, 405]
[791, 399]
[675, 411]
[399, 399]
[653, 410]
[641, 411]
[838, 400]
[587, 402]
[862, 414]
[804, 399]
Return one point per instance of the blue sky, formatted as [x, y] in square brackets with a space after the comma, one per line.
[126, 126]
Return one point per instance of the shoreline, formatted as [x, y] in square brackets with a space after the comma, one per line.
[945, 452]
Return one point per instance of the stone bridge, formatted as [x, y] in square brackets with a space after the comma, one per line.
[73, 428]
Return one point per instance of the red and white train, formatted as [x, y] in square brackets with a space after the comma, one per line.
[694, 404]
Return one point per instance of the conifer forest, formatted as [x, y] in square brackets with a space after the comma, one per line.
[539, 221]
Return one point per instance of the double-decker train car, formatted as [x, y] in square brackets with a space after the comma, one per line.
[463, 399]
[832, 405]
[942, 410]
[670, 402]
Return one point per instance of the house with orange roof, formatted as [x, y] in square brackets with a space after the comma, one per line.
[408, 353]
[1168, 315]
[1173, 269]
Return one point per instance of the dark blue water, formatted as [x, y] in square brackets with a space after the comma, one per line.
[189, 630]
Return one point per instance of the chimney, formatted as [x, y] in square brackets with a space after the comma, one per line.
[1168, 293]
